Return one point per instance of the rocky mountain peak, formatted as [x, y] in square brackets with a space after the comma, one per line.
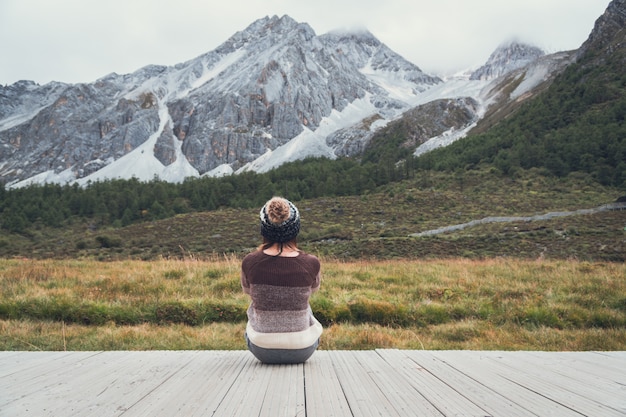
[274, 83]
[355, 34]
[507, 57]
[271, 29]
[608, 32]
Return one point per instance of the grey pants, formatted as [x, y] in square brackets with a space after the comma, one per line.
[285, 356]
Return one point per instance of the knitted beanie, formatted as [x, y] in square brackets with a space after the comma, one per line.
[284, 231]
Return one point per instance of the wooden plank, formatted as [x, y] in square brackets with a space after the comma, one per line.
[362, 394]
[595, 364]
[621, 355]
[476, 366]
[118, 381]
[115, 384]
[323, 392]
[260, 390]
[52, 389]
[405, 399]
[442, 396]
[130, 385]
[485, 397]
[197, 390]
[33, 364]
[582, 393]
[243, 393]
[602, 364]
[380, 389]
[577, 375]
[285, 392]
[545, 384]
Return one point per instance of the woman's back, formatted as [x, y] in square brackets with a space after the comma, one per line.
[280, 288]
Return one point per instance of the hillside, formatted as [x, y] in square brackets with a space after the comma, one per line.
[374, 225]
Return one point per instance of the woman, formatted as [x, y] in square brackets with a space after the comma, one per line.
[280, 280]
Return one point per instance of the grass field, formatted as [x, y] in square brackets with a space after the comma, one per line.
[191, 303]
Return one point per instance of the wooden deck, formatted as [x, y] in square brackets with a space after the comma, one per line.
[332, 383]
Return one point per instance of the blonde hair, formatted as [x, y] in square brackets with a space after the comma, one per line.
[277, 210]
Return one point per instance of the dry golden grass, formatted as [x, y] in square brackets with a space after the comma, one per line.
[408, 304]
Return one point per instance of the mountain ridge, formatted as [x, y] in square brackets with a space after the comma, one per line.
[272, 93]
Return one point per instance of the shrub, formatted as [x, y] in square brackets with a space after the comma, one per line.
[213, 273]
[176, 312]
[541, 316]
[605, 320]
[433, 314]
[108, 241]
[174, 274]
[381, 312]
[328, 313]
[221, 312]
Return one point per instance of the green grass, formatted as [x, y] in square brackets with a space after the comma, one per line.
[416, 304]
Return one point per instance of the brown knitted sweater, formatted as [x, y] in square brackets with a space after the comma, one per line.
[279, 288]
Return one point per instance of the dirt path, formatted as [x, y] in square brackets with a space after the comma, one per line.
[547, 216]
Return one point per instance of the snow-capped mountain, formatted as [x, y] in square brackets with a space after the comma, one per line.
[506, 58]
[272, 93]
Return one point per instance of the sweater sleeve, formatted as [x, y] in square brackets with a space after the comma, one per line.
[245, 285]
[315, 265]
[317, 282]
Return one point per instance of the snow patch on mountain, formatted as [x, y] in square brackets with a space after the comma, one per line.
[445, 139]
[313, 143]
[141, 163]
[395, 83]
[46, 177]
[208, 74]
[19, 118]
[536, 74]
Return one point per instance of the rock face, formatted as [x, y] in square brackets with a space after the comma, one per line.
[77, 127]
[436, 117]
[608, 34]
[506, 58]
[254, 93]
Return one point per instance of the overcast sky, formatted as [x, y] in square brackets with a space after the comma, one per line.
[82, 40]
